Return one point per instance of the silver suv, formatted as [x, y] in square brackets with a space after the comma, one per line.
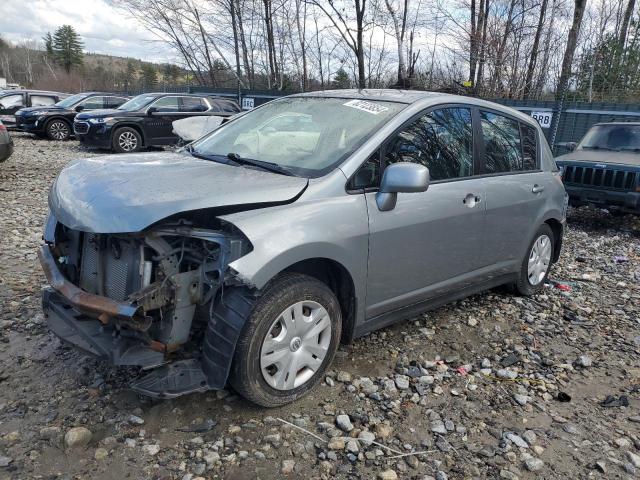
[314, 219]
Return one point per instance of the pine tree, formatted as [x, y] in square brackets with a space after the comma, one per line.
[129, 76]
[67, 47]
[48, 44]
[149, 76]
[341, 79]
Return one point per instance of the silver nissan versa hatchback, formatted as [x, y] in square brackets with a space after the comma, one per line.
[248, 256]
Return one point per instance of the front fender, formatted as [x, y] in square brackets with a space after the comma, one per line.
[334, 228]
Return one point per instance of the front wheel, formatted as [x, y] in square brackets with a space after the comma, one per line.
[58, 130]
[126, 140]
[288, 341]
[537, 262]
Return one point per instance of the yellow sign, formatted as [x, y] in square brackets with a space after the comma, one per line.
[467, 83]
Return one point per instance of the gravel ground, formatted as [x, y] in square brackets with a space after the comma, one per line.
[496, 386]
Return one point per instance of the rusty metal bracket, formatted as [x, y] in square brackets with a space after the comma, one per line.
[78, 297]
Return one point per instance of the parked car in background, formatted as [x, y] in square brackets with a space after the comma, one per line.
[250, 261]
[6, 143]
[145, 120]
[604, 168]
[13, 100]
[56, 121]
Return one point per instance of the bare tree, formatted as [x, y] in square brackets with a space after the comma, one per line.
[342, 16]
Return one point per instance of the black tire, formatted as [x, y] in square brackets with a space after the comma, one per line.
[246, 376]
[58, 130]
[126, 140]
[523, 285]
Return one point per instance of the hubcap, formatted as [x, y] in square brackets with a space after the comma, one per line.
[296, 345]
[127, 141]
[59, 130]
[539, 259]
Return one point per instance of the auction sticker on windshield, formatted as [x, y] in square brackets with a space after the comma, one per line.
[366, 106]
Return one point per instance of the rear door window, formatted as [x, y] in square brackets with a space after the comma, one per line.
[529, 147]
[42, 100]
[166, 104]
[441, 140]
[93, 103]
[192, 104]
[113, 102]
[503, 148]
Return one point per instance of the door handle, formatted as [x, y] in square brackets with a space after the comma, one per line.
[537, 189]
[471, 200]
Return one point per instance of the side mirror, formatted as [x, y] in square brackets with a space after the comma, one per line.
[571, 146]
[403, 177]
[152, 110]
[79, 108]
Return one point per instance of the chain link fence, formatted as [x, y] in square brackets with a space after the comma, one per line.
[570, 123]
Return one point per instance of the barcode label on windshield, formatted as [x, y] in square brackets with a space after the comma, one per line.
[366, 106]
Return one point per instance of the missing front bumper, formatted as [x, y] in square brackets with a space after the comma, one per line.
[116, 348]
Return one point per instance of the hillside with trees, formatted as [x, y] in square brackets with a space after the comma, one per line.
[58, 62]
[522, 49]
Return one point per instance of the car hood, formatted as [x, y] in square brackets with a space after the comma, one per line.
[28, 110]
[128, 193]
[101, 113]
[601, 156]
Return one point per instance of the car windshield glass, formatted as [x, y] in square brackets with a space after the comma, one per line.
[136, 103]
[308, 136]
[612, 137]
[72, 100]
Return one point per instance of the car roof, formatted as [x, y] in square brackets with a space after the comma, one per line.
[103, 93]
[25, 90]
[410, 97]
[176, 94]
[384, 94]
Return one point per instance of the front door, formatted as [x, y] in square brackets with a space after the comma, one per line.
[159, 124]
[431, 240]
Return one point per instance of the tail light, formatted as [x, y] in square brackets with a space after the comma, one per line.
[3, 128]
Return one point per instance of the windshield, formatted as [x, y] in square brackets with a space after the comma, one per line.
[136, 103]
[612, 137]
[72, 100]
[308, 136]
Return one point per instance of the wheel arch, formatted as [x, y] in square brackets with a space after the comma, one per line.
[339, 280]
[557, 229]
[132, 125]
[66, 121]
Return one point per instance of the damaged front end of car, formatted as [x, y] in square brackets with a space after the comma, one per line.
[144, 299]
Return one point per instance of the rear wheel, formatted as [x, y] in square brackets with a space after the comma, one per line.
[126, 140]
[58, 130]
[288, 341]
[537, 262]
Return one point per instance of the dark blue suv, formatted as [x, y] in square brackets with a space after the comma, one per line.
[146, 120]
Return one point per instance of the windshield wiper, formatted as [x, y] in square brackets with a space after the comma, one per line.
[269, 166]
[212, 158]
[630, 149]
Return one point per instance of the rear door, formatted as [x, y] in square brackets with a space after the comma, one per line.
[9, 105]
[42, 100]
[515, 185]
[432, 240]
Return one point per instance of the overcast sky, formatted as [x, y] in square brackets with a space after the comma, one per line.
[103, 28]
